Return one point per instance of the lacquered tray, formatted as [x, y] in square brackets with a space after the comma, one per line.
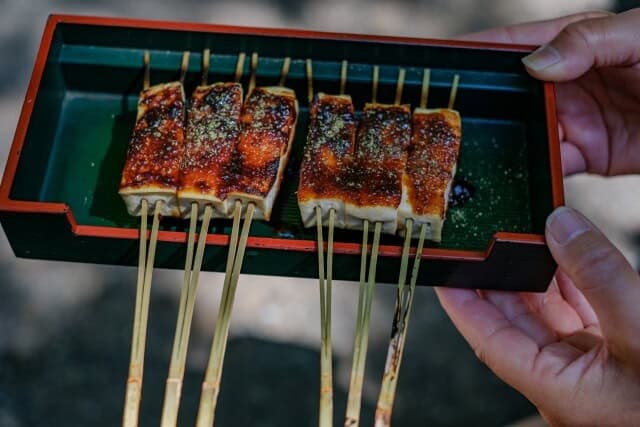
[59, 201]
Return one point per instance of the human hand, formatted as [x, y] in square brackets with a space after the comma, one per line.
[595, 58]
[574, 351]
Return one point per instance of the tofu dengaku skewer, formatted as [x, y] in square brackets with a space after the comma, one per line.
[269, 117]
[427, 123]
[152, 167]
[374, 179]
[213, 132]
[213, 128]
[150, 176]
[330, 140]
[430, 168]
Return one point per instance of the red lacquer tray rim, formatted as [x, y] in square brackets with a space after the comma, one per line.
[19, 206]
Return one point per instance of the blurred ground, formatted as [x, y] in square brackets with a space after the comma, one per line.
[65, 328]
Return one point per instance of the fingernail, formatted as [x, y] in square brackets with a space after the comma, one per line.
[544, 57]
[565, 224]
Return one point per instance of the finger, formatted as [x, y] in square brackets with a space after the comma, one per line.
[555, 311]
[576, 299]
[602, 274]
[595, 42]
[573, 160]
[533, 33]
[517, 311]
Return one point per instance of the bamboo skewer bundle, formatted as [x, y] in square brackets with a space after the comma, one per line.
[213, 375]
[133, 393]
[325, 283]
[365, 291]
[404, 300]
[189, 287]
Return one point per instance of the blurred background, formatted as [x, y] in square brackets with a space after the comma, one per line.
[65, 328]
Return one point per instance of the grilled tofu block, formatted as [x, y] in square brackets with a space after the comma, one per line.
[152, 166]
[269, 117]
[330, 145]
[213, 132]
[374, 178]
[431, 166]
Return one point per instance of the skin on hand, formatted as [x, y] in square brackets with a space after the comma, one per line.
[595, 59]
[575, 350]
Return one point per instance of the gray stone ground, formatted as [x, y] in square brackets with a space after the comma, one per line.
[65, 328]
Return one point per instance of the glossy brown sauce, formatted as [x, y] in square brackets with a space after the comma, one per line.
[157, 143]
[213, 131]
[433, 154]
[268, 120]
[330, 144]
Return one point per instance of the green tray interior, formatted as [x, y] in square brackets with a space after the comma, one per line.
[85, 109]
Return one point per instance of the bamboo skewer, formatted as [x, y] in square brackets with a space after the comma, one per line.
[190, 285]
[254, 67]
[365, 291]
[211, 384]
[404, 301]
[213, 375]
[424, 95]
[454, 91]
[133, 393]
[325, 418]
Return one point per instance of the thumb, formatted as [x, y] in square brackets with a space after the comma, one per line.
[598, 42]
[602, 274]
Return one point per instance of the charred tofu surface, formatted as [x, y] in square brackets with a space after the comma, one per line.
[430, 168]
[374, 178]
[330, 146]
[213, 131]
[268, 118]
[152, 166]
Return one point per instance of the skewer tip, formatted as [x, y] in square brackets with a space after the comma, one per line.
[309, 70]
[343, 76]
[454, 91]
[206, 57]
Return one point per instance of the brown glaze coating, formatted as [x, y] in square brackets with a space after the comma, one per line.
[157, 142]
[268, 119]
[433, 155]
[213, 131]
[374, 178]
[330, 144]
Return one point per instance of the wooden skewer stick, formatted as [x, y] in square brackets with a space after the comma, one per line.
[146, 80]
[211, 384]
[424, 96]
[206, 58]
[173, 387]
[400, 86]
[404, 302]
[134, 382]
[365, 295]
[286, 64]
[454, 91]
[254, 67]
[309, 69]
[184, 66]
[239, 67]
[354, 399]
[401, 325]
[133, 393]
[343, 76]
[374, 89]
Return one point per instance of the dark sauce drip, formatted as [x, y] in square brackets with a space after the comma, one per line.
[461, 192]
